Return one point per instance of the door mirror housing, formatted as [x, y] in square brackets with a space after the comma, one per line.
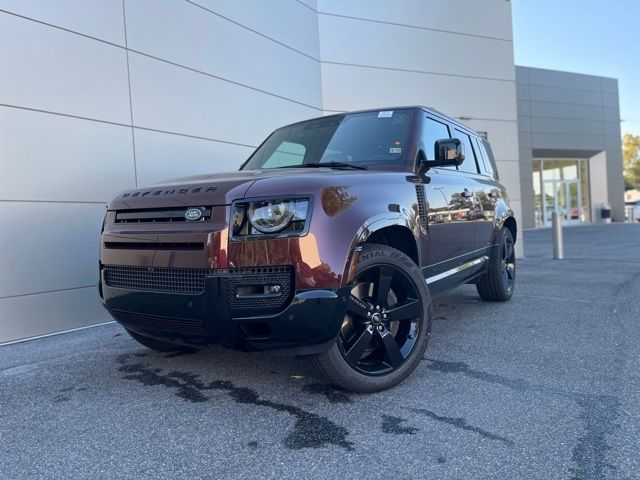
[448, 152]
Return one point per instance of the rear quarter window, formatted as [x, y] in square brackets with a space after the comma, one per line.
[469, 165]
[489, 161]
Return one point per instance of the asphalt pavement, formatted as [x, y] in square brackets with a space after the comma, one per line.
[544, 386]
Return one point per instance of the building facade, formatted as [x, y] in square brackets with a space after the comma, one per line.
[101, 96]
[570, 149]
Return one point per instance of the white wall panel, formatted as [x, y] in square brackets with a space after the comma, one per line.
[492, 18]
[198, 39]
[454, 96]
[510, 177]
[360, 42]
[32, 315]
[101, 19]
[170, 98]
[48, 246]
[503, 137]
[162, 157]
[286, 21]
[58, 71]
[59, 158]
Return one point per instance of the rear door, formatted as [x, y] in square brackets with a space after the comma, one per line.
[486, 194]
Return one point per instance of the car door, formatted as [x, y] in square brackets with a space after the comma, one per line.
[450, 228]
[486, 194]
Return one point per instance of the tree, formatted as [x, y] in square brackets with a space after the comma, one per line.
[631, 161]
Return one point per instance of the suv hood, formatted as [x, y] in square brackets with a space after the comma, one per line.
[209, 190]
[223, 188]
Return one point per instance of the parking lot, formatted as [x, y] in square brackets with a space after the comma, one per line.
[544, 386]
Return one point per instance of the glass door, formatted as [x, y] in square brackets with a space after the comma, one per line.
[562, 197]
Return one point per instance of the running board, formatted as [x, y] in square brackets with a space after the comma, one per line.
[457, 269]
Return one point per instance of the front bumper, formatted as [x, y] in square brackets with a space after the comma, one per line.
[308, 322]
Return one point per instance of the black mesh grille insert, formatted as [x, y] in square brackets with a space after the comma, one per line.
[281, 276]
[186, 326]
[172, 280]
[192, 281]
[155, 245]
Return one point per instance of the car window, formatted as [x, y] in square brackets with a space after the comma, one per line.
[372, 139]
[489, 161]
[469, 165]
[432, 131]
[481, 156]
[287, 153]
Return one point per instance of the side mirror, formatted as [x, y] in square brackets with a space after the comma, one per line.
[448, 151]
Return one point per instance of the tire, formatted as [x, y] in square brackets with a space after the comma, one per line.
[498, 283]
[387, 327]
[153, 344]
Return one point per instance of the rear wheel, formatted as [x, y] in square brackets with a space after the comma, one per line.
[497, 284]
[387, 326]
[154, 344]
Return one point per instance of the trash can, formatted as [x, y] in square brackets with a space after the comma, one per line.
[605, 213]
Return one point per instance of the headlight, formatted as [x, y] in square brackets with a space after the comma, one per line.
[269, 217]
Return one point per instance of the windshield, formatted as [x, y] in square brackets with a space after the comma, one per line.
[367, 139]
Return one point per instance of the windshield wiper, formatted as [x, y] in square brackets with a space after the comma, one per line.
[328, 165]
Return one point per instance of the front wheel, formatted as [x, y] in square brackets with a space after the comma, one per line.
[497, 284]
[387, 326]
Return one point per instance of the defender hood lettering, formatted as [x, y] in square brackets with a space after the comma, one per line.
[221, 188]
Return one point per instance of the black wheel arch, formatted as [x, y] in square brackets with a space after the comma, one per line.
[397, 232]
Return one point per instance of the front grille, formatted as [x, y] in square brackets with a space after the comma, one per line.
[170, 280]
[185, 326]
[155, 245]
[192, 281]
[161, 215]
[282, 276]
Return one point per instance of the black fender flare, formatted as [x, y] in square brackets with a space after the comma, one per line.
[368, 228]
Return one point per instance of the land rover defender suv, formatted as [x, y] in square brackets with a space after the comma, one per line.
[329, 242]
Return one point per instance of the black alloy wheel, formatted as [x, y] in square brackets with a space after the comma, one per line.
[387, 324]
[383, 320]
[508, 264]
[498, 282]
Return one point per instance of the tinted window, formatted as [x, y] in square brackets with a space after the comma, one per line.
[469, 164]
[370, 138]
[286, 154]
[489, 161]
[431, 132]
[483, 158]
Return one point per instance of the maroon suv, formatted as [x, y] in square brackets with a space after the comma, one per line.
[330, 241]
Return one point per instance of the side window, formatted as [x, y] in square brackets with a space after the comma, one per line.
[489, 161]
[286, 154]
[469, 164]
[483, 157]
[432, 131]
[480, 156]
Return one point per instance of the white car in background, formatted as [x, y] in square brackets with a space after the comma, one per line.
[633, 210]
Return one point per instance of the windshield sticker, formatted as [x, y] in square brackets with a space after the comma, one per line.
[395, 150]
[385, 114]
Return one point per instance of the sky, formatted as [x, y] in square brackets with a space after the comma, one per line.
[598, 37]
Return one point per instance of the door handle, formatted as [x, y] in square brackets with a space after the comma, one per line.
[466, 193]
